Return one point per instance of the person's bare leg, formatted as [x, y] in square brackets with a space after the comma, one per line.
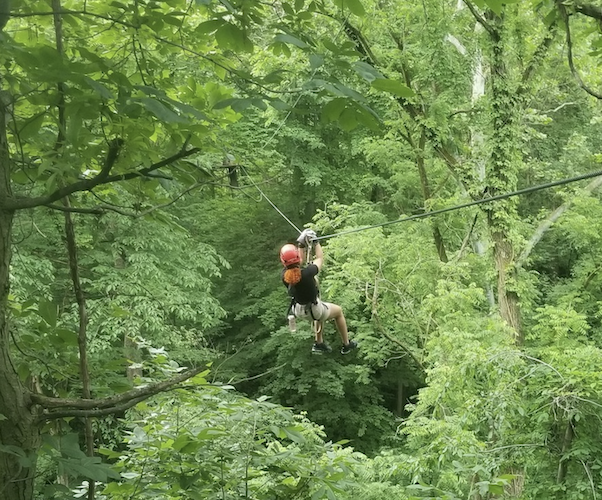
[336, 313]
[318, 329]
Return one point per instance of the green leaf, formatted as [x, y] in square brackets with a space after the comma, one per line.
[284, 38]
[32, 127]
[200, 378]
[235, 103]
[48, 311]
[507, 477]
[181, 441]
[551, 17]
[496, 489]
[392, 86]
[348, 119]
[99, 88]
[331, 46]
[274, 77]
[209, 26]
[355, 7]
[69, 337]
[211, 434]
[495, 6]
[367, 117]
[69, 446]
[279, 104]
[259, 103]
[315, 61]
[12, 450]
[161, 111]
[344, 90]
[319, 494]
[333, 109]
[288, 9]
[294, 435]
[88, 467]
[367, 71]
[229, 36]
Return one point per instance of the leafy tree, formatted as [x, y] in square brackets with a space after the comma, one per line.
[92, 95]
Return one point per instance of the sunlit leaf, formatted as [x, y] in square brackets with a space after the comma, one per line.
[285, 38]
[355, 7]
[392, 86]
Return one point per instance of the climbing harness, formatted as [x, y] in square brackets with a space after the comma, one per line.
[308, 309]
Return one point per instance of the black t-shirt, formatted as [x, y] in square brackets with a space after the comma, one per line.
[306, 291]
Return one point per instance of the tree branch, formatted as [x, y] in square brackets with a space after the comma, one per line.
[66, 12]
[102, 178]
[183, 153]
[139, 393]
[569, 43]
[467, 238]
[480, 19]
[376, 321]
[83, 185]
[550, 220]
[52, 415]
[255, 377]
[538, 56]
[104, 208]
[589, 10]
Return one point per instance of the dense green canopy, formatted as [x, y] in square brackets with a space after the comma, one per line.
[154, 157]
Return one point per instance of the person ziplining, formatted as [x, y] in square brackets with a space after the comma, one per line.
[302, 285]
[305, 294]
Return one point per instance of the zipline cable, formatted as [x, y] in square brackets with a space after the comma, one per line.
[271, 138]
[270, 201]
[498, 197]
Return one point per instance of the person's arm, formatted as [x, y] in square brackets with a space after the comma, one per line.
[318, 255]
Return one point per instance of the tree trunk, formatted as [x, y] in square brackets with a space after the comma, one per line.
[503, 178]
[400, 397]
[477, 141]
[18, 428]
[507, 299]
[567, 442]
[426, 193]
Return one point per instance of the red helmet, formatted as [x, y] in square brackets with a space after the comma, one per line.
[289, 255]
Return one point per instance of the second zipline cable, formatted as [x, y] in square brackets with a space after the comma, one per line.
[473, 203]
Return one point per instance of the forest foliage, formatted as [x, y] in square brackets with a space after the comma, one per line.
[154, 156]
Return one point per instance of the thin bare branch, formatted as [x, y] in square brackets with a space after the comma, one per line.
[254, 377]
[569, 44]
[467, 238]
[547, 223]
[143, 392]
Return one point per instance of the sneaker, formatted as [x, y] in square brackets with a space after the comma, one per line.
[320, 348]
[346, 349]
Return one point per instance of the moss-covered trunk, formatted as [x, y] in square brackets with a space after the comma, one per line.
[19, 433]
[502, 177]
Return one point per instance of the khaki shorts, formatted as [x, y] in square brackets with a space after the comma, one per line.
[318, 311]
